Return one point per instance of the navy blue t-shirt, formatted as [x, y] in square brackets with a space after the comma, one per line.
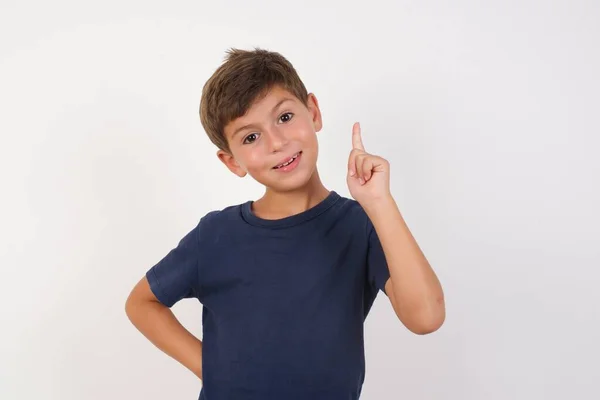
[284, 301]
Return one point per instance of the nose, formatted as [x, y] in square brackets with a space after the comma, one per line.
[277, 140]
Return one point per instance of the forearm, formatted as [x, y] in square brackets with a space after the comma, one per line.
[160, 326]
[417, 290]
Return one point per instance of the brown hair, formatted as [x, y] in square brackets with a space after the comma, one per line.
[244, 77]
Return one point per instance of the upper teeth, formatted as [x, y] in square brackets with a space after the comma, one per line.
[287, 162]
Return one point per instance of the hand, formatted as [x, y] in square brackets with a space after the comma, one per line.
[368, 175]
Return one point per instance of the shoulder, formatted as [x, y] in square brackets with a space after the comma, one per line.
[352, 212]
[351, 206]
[217, 221]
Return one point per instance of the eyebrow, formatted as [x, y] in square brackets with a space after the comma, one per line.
[279, 103]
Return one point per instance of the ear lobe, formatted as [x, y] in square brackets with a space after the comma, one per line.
[231, 163]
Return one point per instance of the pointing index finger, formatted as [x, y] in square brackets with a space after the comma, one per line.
[356, 137]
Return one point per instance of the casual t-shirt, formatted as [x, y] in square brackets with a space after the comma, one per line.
[284, 301]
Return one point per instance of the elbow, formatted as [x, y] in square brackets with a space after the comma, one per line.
[131, 305]
[429, 321]
[427, 326]
[128, 307]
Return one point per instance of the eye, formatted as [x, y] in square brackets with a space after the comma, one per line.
[288, 118]
[250, 138]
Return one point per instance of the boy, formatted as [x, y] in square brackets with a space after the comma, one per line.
[285, 281]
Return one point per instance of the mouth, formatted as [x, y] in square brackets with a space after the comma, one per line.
[290, 163]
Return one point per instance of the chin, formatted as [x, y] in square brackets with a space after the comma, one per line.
[287, 186]
[290, 183]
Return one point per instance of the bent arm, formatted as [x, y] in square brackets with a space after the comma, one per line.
[413, 287]
[159, 325]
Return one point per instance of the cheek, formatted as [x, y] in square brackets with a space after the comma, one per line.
[309, 138]
[305, 130]
[255, 161]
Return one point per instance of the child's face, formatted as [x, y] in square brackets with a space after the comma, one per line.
[275, 129]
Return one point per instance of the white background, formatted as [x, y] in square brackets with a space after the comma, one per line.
[487, 111]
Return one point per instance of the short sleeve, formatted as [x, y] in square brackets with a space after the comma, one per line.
[377, 267]
[175, 277]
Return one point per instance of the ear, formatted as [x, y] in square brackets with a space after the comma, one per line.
[315, 112]
[231, 163]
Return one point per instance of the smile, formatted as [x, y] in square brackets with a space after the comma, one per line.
[291, 162]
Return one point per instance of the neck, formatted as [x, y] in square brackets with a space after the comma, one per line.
[276, 205]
